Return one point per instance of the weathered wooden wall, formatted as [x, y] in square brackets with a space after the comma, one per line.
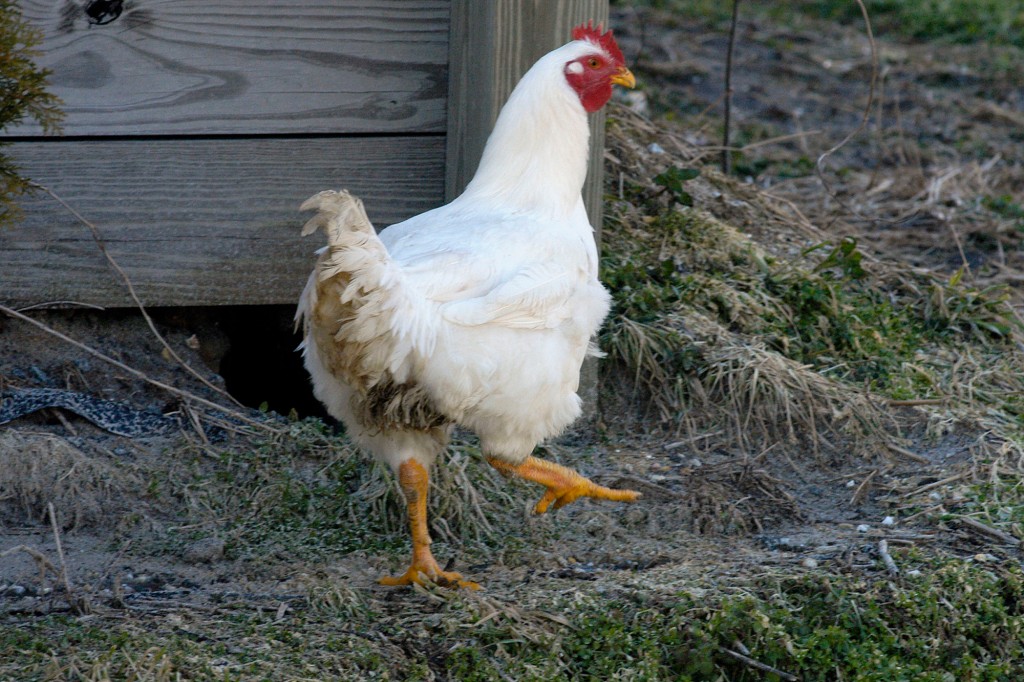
[194, 129]
[248, 67]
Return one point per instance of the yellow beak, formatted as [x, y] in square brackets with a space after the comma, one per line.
[624, 78]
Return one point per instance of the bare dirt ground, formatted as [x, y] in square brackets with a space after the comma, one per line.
[236, 549]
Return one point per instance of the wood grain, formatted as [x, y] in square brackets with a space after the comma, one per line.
[211, 222]
[247, 66]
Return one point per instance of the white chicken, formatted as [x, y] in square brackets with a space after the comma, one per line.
[478, 313]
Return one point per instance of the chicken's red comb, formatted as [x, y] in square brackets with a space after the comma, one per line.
[593, 34]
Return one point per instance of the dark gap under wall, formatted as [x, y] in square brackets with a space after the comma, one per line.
[254, 349]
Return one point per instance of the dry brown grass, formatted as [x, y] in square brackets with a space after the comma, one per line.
[41, 468]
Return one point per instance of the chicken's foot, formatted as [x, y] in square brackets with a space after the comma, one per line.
[415, 483]
[563, 484]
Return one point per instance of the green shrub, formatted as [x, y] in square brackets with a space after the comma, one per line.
[23, 95]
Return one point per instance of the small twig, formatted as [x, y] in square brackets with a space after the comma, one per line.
[136, 373]
[883, 551]
[64, 421]
[79, 605]
[617, 480]
[764, 143]
[907, 453]
[46, 305]
[726, 118]
[983, 529]
[691, 441]
[937, 484]
[917, 402]
[865, 117]
[863, 488]
[42, 562]
[131, 292]
[753, 663]
[964, 263]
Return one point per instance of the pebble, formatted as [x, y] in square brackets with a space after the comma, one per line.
[863, 528]
[810, 562]
[888, 521]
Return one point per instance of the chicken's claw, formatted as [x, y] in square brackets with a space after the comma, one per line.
[563, 484]
[425, 570]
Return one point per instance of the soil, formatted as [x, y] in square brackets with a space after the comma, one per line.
[708, 509]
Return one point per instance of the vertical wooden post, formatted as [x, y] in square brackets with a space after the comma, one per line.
[492, 45]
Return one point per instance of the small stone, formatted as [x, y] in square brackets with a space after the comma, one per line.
[863, 528]
[850, 484]
[888, 521]
[810, 562]
[655, 148]
[204, 551]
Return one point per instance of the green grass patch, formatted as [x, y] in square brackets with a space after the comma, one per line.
[992, 22]
[820, 308]
[953, 621]
[309, 494]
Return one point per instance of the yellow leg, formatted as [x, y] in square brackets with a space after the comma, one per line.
[563, 484]
[415, 482]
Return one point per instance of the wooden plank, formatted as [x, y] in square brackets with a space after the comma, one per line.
[247, 66]
[210, 222]
[492, 45]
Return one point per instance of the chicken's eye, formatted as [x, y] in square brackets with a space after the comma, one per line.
[593, 62]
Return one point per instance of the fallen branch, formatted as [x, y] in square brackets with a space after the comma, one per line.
[137, 373]
[754, 663]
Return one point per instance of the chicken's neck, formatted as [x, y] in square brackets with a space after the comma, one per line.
[536, 158]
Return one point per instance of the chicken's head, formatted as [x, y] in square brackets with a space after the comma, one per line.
[593, 74]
